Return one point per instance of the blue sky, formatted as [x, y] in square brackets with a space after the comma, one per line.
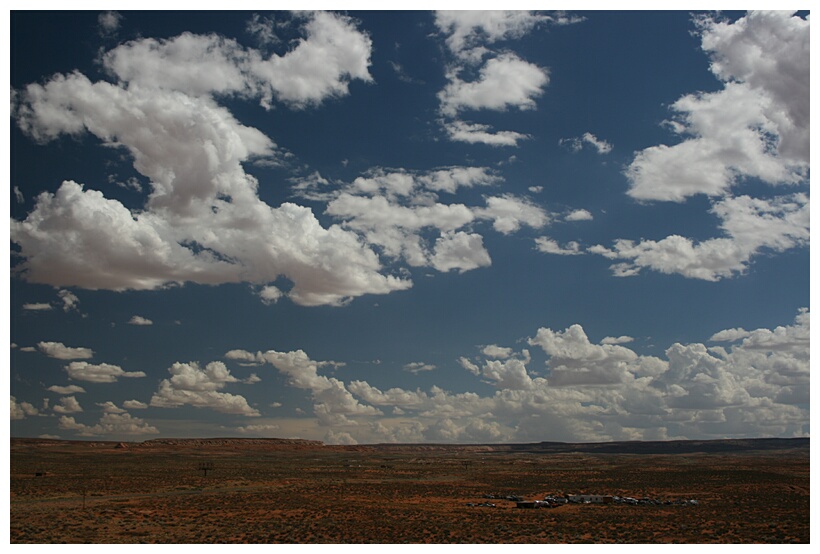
[365, 227]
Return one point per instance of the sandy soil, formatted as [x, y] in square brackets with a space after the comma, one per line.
[258, 492]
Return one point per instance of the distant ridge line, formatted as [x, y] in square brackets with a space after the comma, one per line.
[545, 447]
[623, 447]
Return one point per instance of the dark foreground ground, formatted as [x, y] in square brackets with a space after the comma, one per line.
[235, 491]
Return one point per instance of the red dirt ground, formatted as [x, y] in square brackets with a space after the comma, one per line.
[303, 492]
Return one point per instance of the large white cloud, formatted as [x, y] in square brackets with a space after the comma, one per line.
[756, 126]
[77, 237]
[319, 66]
[752, 225]
[203, 221]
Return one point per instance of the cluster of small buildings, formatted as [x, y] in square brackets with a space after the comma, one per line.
[551, 501]
[554, 501]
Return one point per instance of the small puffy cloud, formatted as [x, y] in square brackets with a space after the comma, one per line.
[477, 431]
[623, 339]
[417, 367]
[477, 133]
[461, 251]
[110, 408]
[578, 215]
[100, 373]
[68, 405]
[509, 213]
[494, 351]
[262, 28]
[70, 389]
[21, 410]
[19, 195]
[109, 22]
[139, 320]
[469, 366]
[504, 82]
[191, 385]
[110, 425]
[468, 30]
[450, 179]
[134, 405]
[510, 374]
[730, 335]
[245, 357]
[551, 246]
[69, 299]
[270, 294]
[587, 139]
[261, 430]
[62, 352]
[313, 187]
[341, 437]
[37, 307]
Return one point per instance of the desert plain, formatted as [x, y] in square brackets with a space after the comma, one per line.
[193, 491]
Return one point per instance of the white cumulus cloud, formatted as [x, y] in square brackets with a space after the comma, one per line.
[62, 352]
[504, 82]
[99, 373]
[203, 221]
[139, 320]
[21, 410]
[192, 385]
[68, 405]
[110, 425]
[70, 389]
[756, 126]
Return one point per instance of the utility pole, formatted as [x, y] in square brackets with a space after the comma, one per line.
[205, 466]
